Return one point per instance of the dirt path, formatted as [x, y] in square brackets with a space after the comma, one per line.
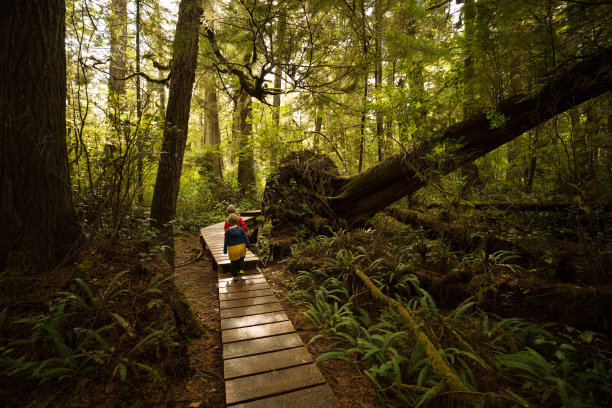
[206, 386]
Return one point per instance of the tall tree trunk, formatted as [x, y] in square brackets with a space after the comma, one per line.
[533, 159]
[212, 131]
[389, 122]
[246, 163]
[138, 136]
[362, 126]
[117, 21]
[318, 126]
[278, 84]
[38, 221]
[513, 171]
[469, 21]
[185, 52]
[380, 134]
[167, 182]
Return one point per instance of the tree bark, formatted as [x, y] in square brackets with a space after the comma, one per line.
[246, 164]
[378, 67]
[185, 52]
[278, 85]
[212, 131]
[117, 21]
[38, 221]
[167, 182]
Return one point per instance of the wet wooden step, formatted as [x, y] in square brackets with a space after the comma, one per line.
[259, 300]
[242, 282]
[243, 288]
[258, 346]
[250, 310]
[239, 367]
[272, 383]
[255, 332]
[236, 322]
[246, 294]
[254, 275]
[319, 396]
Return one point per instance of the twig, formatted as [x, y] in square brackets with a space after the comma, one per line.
[191, 260]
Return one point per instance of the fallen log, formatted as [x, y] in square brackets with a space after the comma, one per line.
[437, 363]
[345, 201]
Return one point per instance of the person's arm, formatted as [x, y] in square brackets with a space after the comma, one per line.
[242, 224]
[226, 226]
[225, 242]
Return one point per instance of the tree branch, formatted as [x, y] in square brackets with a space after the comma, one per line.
[132, 75]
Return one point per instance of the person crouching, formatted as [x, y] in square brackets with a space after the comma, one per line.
[235, 244]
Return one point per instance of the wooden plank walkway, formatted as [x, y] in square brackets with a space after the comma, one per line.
[266, 364]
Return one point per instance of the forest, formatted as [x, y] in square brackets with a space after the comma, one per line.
[434, 179]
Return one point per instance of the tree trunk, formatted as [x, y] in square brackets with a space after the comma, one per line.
[212, 131]
[38, 221]
[356, 198]
[167, 182]
[137, 135]
[246, 164]
[278, 84]
[185, 53]
[362, 127]
[380, 134]
[117, 21]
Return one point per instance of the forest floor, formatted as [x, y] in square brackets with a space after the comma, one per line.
[205, 388]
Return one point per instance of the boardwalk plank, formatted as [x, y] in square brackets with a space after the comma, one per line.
[244, 282]
[246, 294]
[243, 288]
[245, 276]
[258, 346]
[265, 362]
[237, 322]
[250, 310]
[239, 367]
[259, 300]
[271, 383]
[255, 332]
[320, 396]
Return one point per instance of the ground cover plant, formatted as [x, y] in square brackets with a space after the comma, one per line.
[503, 359]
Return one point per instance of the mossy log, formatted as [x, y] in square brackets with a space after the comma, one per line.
[437, 363]
[308, 185]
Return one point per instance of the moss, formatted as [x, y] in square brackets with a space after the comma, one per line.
[438, 364]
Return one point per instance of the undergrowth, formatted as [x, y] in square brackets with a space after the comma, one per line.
[504, 361]
[110, 331]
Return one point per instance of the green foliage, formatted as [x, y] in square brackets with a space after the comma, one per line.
[77, 338]
[567, 368]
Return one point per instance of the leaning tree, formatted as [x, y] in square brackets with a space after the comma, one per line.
[308, 191]
[38, 221]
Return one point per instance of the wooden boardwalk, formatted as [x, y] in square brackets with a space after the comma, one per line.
[265, 362]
